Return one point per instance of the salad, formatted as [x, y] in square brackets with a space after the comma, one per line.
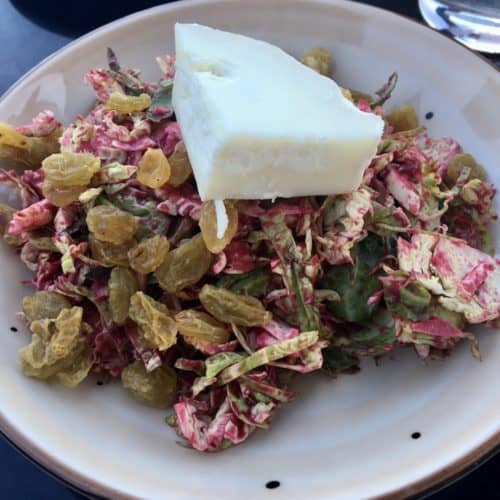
[131, 280]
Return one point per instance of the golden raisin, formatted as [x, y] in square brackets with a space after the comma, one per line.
[208, 226]
[153, 169]
[122, 285]
[184, 266]
[192, 323]
[44, 305]
[108, 223]
[319, 59]
[110, 255]
[403, 118]
[127, 103]
[157, 388]
[27, 151]
[230, 307]
[157, 328]
[458, 163]
[70, 169]
[147, 256]
[67, 175]
[180, 166]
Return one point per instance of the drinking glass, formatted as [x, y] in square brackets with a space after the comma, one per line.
[475, 23]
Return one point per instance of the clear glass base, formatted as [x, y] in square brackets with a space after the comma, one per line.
[475, 23]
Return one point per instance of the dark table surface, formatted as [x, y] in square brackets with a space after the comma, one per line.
[35, 28]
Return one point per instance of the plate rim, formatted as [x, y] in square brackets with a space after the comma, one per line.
[86, 485]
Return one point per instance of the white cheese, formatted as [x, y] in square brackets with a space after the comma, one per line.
[258, 124]
[221, 218]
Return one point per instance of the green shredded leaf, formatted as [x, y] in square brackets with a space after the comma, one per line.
[385, 91]
[67, 264]
[216, 363]
[295, 278]
[338, 361]
[267, 355]
[112, 60]
[308, 315]
[254, 283]
[161, 104]
[376, 337]
[201, 383]
[355, 284]
[268, 390]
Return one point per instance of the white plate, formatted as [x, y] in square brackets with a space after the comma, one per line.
[345, 439]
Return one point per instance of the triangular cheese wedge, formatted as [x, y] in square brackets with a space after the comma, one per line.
[259, 124]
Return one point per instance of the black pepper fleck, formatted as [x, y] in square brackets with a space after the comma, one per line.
[271, 485]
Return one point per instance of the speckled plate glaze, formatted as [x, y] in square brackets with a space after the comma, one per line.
[351, 438]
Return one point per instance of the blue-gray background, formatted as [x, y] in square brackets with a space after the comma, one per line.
[29, 31]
